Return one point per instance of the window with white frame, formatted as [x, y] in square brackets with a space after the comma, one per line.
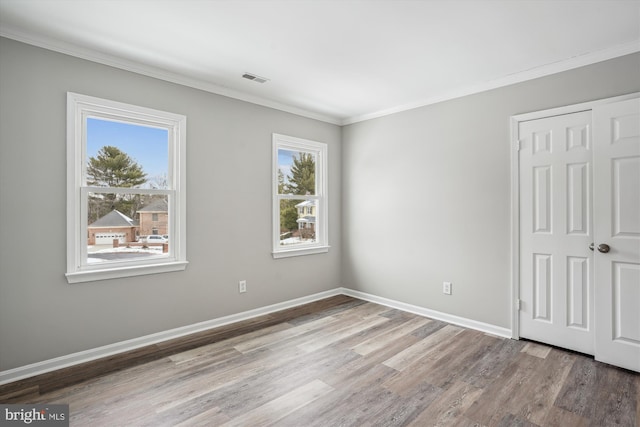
[300, 220]
[126, 180]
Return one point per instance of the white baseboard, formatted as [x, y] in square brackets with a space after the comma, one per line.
[45, 366]
[433, 314]
[49, 365]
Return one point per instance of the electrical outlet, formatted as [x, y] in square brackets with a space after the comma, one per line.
[446, 288]
[242, 286]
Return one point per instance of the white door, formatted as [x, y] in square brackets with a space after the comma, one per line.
[617, 218]
[556, 265]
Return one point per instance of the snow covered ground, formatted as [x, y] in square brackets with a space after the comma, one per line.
[295, 241]
[102, 253]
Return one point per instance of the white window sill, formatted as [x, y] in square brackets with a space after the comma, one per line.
[116, 273]
[300, 252]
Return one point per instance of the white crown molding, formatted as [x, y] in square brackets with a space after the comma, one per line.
[534, 73]
[158, 73]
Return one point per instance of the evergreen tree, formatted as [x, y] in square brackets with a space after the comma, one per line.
[303, 174]
[288, 212]
[282, 187]
[288, 215]
[114, 168]
[302, 180]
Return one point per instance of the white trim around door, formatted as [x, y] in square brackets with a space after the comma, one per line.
[515, 193]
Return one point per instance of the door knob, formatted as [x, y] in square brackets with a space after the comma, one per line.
[603, 247]
[591, 246]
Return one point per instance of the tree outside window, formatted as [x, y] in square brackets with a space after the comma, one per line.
[300, 222]
[122, 159]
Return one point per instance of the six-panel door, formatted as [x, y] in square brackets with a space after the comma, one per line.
[617, 218]
[556, 265]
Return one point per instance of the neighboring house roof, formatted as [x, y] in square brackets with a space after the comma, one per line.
[114, 218]
[306, 203]
[310, 219]
[156, 206]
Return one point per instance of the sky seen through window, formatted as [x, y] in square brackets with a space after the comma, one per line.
[147, 146]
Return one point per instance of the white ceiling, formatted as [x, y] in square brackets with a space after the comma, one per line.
[339, 61]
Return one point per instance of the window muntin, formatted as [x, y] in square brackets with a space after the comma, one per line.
[300, 223]
[126, 164]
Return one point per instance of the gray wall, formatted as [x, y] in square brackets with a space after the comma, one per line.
[426, 192]
[416, 198]
[228, 212]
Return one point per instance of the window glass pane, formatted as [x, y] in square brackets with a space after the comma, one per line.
[126, 155]
[296, 172]
[121, 227]
[297, 222]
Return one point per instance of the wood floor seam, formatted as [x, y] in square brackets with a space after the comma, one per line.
[342, 362]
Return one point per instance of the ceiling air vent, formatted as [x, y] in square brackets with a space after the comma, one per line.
[255, 78]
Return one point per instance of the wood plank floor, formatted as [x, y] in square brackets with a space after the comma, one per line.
[346, 362]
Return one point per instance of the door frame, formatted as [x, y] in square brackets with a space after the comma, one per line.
[515, 121]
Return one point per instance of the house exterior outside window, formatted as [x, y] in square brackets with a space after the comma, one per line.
[113, 226]
[154, 216]
[307, 216]
[300, 212]
[125, 166]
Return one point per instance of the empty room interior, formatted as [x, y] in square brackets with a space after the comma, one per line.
[315, 212]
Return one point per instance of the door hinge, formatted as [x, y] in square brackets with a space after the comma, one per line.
[518, 144]
[518, 305]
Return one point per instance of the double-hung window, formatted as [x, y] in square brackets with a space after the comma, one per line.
[126, 181]
[300, 220]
